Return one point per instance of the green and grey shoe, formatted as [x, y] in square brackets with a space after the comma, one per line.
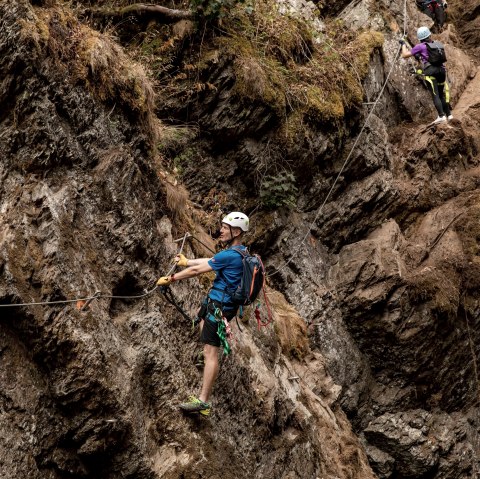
[195, 405]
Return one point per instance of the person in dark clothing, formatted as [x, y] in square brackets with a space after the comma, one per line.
[435, 9]
[434, 76]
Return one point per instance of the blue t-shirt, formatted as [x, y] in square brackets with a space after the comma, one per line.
[228, 266]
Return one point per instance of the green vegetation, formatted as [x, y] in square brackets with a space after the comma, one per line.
[213, 9]
[183, 160]
[265, 60]
[278, 190]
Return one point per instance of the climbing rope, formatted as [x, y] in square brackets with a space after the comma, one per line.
[84, 302]
[196, 239]
[260, 323]
[339, 174]
[168, 295]
[97, 295]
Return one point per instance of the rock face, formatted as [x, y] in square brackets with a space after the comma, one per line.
[420, 442]
[372, 362]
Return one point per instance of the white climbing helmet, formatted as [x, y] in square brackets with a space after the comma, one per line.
[237, 220]
[423, 33]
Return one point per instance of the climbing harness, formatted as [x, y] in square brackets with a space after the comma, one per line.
[211, 311]
[437, 10]
[430, 79]
[224, 331]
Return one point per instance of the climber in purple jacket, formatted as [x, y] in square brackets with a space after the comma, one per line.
[431, 57]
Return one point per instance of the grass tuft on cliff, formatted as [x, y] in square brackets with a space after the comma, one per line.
[86, 57]
[282, 62]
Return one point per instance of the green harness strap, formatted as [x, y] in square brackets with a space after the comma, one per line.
[222, 334]
[221, 331]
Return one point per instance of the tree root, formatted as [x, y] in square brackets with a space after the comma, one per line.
[142, 9]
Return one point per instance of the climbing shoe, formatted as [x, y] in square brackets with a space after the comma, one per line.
[440, 119]
[195, 405]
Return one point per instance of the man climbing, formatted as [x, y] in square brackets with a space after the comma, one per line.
[228, 267]
[431, 56]
[435, 9]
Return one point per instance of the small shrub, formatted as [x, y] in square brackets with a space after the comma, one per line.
[278, 190]
[213, 9]
[183, 160]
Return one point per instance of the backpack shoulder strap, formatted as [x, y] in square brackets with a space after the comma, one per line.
[241, 251]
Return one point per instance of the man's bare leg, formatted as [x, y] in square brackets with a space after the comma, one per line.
[210, 371]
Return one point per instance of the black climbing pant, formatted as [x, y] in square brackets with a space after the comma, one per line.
[435, 11]
[436, 80]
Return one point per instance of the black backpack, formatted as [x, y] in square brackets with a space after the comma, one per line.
[436, 53]
[252, 282]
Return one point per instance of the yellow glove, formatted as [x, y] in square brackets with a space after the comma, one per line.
[181, 260]
[164, 281]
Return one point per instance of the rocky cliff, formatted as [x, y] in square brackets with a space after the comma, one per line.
[119, 136]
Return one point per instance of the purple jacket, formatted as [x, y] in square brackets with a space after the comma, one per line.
[420, 51]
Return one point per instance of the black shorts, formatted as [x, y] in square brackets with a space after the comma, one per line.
[209, 331]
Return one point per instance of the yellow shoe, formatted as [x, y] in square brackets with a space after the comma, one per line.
[195, 405]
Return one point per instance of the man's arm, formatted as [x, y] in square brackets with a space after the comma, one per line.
[182, 261]
[201, 266]
[195, 270]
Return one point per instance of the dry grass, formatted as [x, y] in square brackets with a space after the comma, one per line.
[433, 286]
[175, 138]
[200, 250]
[329, 84]
[266, 85]
[281, 36]
[198, 220]
[278, 61]
[177, 199]
[84, 56]
[290, 327]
